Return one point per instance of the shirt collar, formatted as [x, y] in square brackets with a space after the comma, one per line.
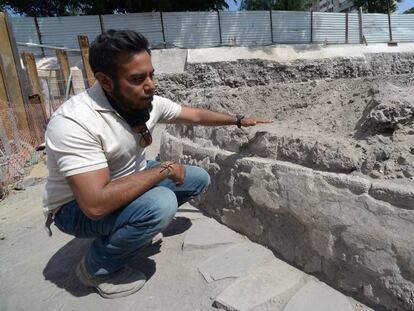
[99, 101]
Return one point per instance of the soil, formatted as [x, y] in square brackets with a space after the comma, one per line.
[353, 116]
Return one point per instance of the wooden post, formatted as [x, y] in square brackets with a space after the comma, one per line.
[11, 73]
[4, 92]
[38, 119]
[31, 69]
[84, 47]
[62, 57]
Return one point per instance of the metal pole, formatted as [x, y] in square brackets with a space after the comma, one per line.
[101, 23]
[163, 31]
[346, 28]
[271, 25]
[39, 35]
[311, 27]
[361, 29]
[219, 25]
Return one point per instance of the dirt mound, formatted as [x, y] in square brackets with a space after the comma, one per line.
[360, 125]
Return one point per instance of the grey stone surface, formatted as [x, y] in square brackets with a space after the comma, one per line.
[317, 296]
[208, 233]
[329, 184]
[396, 194]
[271, 283]
[326, 225]
[233, 262]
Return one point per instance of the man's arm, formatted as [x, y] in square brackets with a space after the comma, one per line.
[206, 117]
[98, 196]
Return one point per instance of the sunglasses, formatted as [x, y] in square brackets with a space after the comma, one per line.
[146, 138]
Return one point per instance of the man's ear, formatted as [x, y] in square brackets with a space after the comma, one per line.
[105, 81]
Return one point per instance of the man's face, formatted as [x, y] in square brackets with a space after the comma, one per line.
[133, 87]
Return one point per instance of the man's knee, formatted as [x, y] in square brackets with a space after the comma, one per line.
[162, 205]
[201, 178]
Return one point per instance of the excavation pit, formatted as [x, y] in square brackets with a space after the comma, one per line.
[329, 185]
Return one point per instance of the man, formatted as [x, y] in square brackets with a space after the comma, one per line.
[100, 185]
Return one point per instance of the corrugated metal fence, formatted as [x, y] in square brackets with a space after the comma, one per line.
[209, 29]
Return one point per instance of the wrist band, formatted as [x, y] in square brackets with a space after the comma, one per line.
[239, 117]
[167, 165]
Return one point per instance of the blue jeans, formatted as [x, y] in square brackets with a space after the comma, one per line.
[120, 235]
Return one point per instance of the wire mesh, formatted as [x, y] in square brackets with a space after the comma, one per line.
[17, 144]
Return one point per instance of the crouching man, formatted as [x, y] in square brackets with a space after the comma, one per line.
[100, 184]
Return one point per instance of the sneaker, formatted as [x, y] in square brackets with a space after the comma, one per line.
[119, 284]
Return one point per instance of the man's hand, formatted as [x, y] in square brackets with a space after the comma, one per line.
[177, 174]
[254, 121]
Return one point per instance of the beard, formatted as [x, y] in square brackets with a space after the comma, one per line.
[125, 108]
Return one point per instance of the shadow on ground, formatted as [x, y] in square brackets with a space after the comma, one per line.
[177, 226]
[61, 267]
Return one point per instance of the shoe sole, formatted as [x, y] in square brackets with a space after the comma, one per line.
[85, 282]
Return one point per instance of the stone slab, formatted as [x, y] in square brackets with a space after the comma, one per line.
[317, 296]
[169, 60]
[268, 284]
[233, 262]
[208, 233]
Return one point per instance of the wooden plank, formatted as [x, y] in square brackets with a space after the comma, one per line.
[11, 75]
[4, 97]
[38, 118]
[62, 57]
[84, 47]
[31, 69]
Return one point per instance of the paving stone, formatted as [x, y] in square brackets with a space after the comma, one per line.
[208, 233]
[190, 212]
[317, 296]
[266, 284]
[233, 262]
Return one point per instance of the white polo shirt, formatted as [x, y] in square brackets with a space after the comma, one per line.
[86, 134]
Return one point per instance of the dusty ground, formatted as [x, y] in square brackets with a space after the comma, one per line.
[363, 124]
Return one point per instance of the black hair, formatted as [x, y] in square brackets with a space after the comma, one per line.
[105, 50]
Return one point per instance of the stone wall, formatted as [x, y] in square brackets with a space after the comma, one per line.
[314, 207]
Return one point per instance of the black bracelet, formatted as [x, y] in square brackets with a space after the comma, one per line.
[239, 117]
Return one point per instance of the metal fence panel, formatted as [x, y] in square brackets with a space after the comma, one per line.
[329, 27]
[64, 31]
[245, 28]
[201, 29]
[353, 28]
[291, 27]
[376, 27]
[149, 24]
[24, 29]
[403, 27]
[192, 29]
